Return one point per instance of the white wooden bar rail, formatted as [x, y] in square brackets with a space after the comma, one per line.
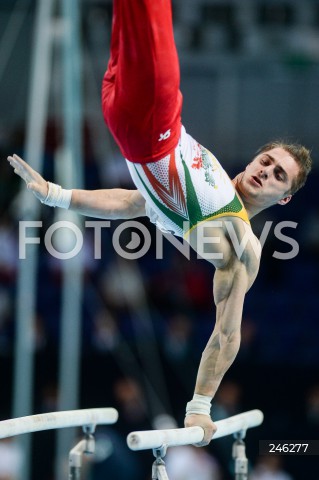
[52, 420]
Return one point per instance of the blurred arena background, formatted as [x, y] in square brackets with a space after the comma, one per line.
[250, 73]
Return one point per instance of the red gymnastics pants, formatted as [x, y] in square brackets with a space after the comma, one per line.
[141, 100]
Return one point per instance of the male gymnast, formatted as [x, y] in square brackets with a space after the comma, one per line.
[181, 186]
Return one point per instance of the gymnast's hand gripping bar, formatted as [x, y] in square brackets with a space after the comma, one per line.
[155, 439]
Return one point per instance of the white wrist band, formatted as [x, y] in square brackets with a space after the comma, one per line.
[200, 405]
[57, 196]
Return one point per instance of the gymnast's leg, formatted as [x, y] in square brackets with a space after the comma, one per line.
[141, 100]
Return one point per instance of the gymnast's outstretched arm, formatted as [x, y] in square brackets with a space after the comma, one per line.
[230, 286]
[111, 204]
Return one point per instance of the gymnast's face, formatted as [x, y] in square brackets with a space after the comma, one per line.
[268, 179]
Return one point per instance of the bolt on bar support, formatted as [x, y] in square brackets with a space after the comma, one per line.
[158, 467]
[239, 456]
[86, 446]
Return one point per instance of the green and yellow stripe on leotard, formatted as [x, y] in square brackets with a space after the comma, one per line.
[232, 209]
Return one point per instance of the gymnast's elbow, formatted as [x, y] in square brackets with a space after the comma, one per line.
[133, 206]
[223, 345]
[128, 211]
[230, 344]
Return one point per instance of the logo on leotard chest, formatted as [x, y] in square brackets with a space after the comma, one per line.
[203, 160]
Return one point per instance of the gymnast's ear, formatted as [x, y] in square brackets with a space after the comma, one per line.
[285, 200]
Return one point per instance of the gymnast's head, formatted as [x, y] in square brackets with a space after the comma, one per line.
[275, 174]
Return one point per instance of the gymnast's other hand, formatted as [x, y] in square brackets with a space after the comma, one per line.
[35, 182]
[204, 421]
